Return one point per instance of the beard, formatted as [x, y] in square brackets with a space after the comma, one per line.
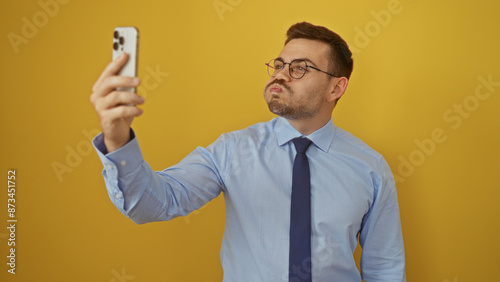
[304, 108]
[293, 113]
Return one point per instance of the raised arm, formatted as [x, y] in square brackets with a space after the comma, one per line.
[116, 109]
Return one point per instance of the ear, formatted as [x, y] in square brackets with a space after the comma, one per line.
[337, 89]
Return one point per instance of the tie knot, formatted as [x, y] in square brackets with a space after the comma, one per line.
[301, 144]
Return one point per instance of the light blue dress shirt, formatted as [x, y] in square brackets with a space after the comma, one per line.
[352, 193]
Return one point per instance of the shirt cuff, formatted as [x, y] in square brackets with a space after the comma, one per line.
[124, 160]
[119, 167]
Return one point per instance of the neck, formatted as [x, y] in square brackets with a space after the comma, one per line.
[308, 126]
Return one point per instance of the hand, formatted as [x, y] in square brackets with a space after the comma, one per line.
[116, 109]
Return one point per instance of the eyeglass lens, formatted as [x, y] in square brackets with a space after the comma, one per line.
[297, 69]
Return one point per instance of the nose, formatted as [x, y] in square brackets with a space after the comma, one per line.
[283, 74]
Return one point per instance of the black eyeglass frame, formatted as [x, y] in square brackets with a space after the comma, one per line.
[268, 64]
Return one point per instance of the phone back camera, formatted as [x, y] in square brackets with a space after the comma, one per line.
[118, 41]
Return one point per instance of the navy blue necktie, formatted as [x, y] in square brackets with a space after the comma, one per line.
[300, 216]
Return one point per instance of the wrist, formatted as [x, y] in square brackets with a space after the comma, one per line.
[113, 144]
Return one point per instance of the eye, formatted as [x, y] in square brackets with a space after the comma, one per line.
[278, 65]
[299, 68]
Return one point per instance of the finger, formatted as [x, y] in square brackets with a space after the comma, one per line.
[110, 83]
[124, 111]
[118, 98]
[112, 68]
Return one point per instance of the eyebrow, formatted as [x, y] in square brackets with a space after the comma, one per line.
[303, 59]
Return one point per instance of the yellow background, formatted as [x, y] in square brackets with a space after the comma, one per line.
[412, 74]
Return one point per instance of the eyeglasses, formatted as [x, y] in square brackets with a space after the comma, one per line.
[296, 68]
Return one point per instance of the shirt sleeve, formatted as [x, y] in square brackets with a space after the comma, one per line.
[145, 195]
[381, 239]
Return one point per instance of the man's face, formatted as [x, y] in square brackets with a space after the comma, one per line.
[300, 98]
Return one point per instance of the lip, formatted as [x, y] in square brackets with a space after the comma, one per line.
[275, 89]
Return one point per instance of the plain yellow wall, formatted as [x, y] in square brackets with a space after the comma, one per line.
[419, 95]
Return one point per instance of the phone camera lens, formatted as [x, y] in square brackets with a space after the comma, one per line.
[116, 46]
[122, 40]
[116, 34]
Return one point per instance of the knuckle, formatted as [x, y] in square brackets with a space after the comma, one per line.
[122, 110]
[112, 98]
[106, 81]
[109, 82]
[117, 80]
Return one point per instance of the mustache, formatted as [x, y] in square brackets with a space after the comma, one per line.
[280, 82]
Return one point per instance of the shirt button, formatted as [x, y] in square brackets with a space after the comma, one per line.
[118, 196]
[109, 166]
[123, 163]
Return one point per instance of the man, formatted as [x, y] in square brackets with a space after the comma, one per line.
[299, 191]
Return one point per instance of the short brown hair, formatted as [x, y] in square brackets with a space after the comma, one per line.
[340, 56]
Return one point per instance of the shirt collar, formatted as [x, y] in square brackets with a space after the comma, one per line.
[322, 137]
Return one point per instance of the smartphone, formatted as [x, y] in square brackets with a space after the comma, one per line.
[126, 39]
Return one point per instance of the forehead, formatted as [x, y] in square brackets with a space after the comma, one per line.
[314, 50]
